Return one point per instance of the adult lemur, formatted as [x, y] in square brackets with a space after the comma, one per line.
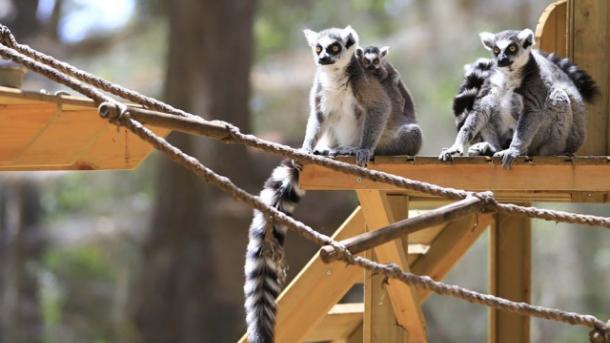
[550, 91]
[351, 113]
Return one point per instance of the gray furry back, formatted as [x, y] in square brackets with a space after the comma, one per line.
[264, 272]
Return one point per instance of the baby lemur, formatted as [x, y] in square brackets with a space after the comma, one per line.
[551, 120]
[375, 62]
[351, 113]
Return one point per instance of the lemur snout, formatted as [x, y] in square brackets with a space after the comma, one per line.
[504, 61]
[325, 60]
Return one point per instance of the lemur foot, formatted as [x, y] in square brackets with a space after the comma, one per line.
[508, 156]
[448, 153]
[363, 156]
[481, 149]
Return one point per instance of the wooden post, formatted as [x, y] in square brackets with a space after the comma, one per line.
[510, 275]
[378, 212]
[379, 323]
[589, 47]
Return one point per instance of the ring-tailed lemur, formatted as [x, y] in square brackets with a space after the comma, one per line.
[375, 62]
[350, 114]
[551, 92]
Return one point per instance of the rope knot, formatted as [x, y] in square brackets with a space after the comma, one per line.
[600, 334]
[6, 36]
[488, 199]
[113, 111]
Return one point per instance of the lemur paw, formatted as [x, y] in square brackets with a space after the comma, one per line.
[481, 149]
[508, 156]
[448, 153]
[323, 152]
[363, 156]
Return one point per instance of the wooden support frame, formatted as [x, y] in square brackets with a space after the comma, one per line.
[510, 276]
[404, 227]
[378, 213]
[449, 247]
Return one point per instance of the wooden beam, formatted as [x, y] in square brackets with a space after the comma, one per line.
[552, 29]
[404, 227]
[378, 213]
[448, 248]
[526, 180]
[510, 274]
[338, 325]
[589, 47]
[316, 289]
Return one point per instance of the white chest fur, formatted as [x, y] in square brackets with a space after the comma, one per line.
[338, 106]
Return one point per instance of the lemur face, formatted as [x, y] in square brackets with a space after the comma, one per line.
[510, 48]
[332, 46]
[372, 56]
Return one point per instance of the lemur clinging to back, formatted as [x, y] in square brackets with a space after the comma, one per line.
[552, 120]
[375, 62]
[351, 113]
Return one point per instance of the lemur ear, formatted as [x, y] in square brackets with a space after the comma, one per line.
[350, 37]
[526, 37]
[311, 36]
[359, 52]
[384, 51]
[488, 39]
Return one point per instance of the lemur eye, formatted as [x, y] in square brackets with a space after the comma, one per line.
[496, 50]
[376, 61]
[512, 48]
[366, 61]
[336, 48]
[318, 49]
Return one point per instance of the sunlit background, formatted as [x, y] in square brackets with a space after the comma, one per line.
[152, 255]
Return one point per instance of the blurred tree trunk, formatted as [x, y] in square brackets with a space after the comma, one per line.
[21, 244]
[180, 295]
[22, 21]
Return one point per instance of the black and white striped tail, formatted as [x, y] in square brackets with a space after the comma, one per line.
[262, 268]
[584, 82]
[474, 77]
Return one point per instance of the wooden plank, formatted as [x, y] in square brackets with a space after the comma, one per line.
[379, 323]
[510, 275]
[116, 148]
[589, 48]
[316, 289]
[20, 125]
[448, 248]
[552, 29]
[378, 213]
[61, 142]
[579, 175]
[355, 337]
[340, 322]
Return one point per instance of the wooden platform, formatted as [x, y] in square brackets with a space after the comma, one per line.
[48, 132]
[577, 179]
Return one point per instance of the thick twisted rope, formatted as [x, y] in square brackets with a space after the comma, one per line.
[7, 38]
[57, 71]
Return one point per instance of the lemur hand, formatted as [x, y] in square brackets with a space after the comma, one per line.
[448, 153]
[508, 156]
